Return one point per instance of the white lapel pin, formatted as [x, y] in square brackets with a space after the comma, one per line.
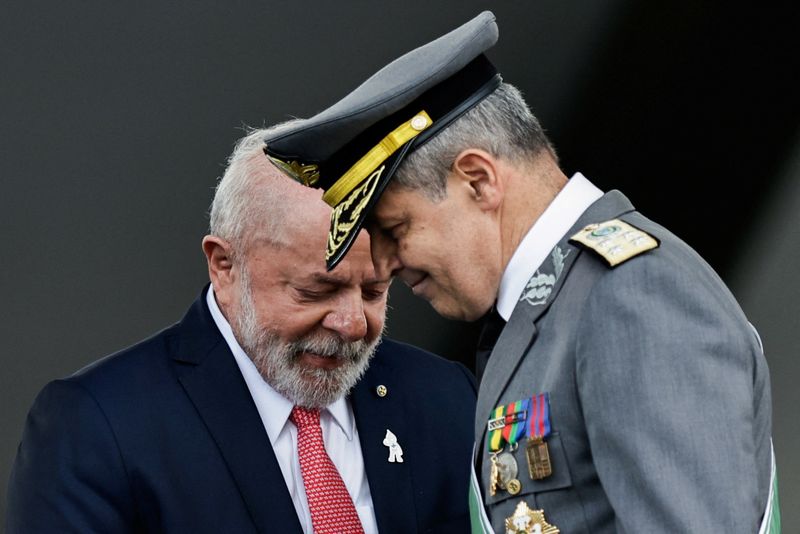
[395, 450]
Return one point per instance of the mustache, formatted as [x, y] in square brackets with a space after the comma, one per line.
[328, 346]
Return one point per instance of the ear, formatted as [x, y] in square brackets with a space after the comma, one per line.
[479, 170]
[220, 262]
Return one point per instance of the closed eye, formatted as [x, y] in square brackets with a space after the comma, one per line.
[395, 231]
[375, 289]
[373, 294]
[312, 295]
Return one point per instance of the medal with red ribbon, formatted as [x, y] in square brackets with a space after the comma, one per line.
[526, 418]
[536, 450]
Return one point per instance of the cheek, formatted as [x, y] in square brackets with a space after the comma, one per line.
[375, 315]
[460, 254]
[291, 322]
[425, 246]
[463, 267]
[229, 298]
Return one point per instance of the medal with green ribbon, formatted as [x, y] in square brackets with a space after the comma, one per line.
[508, 424]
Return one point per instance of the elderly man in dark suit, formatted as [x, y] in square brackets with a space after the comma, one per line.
[627, 391]
[274, 405]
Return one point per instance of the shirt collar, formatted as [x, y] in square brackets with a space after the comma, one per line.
[273, 407]
[542, 237]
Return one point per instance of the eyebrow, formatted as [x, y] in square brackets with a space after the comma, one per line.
[382, 222]
[321, 278]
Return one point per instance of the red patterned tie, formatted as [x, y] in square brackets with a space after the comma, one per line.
[332, 509]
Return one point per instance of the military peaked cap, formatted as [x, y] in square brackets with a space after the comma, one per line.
[352, 149]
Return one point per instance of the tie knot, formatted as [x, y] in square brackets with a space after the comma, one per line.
[304, 417]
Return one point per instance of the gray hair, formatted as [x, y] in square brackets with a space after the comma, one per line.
[502, 125]
[249, 203]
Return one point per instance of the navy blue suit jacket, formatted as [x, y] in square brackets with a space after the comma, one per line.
[164, 437]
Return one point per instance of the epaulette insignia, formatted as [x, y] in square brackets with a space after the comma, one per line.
[615, 241]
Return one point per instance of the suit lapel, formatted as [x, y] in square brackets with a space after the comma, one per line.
[521, 331]
[390, 483]
[540, 292]
[215, 385]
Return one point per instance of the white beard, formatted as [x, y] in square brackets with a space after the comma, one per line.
[278, 360]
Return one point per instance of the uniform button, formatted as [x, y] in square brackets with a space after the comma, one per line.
[419, 123]
[381, 390]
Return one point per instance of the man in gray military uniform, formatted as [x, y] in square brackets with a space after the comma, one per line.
[627, 391]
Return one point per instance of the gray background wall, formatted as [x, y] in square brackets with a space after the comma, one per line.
[117, 118]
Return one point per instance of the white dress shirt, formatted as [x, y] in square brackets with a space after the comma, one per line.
[338, 431]
[563, 212]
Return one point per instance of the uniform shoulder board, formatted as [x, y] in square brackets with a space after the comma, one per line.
[615, 241]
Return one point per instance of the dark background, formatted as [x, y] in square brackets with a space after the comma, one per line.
[117, 118]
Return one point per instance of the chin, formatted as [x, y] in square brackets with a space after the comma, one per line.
[314, 387]
[458, 311]
[466, 301]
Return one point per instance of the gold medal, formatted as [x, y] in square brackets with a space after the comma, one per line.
[527, 521]
[494, 476]
[538, 454]
[513, 486]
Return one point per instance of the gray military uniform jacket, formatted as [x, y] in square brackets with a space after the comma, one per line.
[659, 392]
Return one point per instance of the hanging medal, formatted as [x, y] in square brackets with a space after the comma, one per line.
[507, 426]
[536, 450]
[496, 425]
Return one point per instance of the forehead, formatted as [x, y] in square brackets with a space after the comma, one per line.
[303, 263]
[397, 203]
[355, 268]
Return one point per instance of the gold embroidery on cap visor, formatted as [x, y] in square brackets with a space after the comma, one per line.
[345, 215]
[305, 173]
[376, 155]
[351, 193]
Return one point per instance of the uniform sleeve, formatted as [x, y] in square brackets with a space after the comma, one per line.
[68, 475]
[665, 376]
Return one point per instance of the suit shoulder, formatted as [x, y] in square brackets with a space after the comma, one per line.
[670, 259]
[669, 283]
[421, 364]
[132, 367]
[405, 352]
[673, 259]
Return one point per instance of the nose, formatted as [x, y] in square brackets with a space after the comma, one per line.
[347, 319]
[384, 256]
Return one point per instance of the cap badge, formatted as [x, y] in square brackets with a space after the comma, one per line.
[305, 173]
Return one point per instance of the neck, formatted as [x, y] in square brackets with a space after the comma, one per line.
[529, 189]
